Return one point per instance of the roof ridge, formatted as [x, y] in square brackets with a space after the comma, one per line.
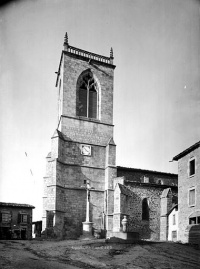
[152, 171]
[186, 151]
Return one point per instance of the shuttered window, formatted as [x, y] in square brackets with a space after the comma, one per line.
[88, 97]
[23, 218]
[5, 217]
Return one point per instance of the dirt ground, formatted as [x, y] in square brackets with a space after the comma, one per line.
[74, 254]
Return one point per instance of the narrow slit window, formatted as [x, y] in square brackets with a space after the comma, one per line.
[174, 219]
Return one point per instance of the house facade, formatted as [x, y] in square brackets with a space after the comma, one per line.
[15, 221]
[173, 224]
[189, 194]
[83, 151]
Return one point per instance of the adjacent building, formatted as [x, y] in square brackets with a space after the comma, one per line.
[36, 229]
[15, 221]
[189, 194]
[173, 223]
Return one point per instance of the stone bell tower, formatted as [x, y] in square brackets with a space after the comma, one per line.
[82, 146]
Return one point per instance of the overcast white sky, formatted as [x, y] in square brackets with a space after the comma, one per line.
[156, 84]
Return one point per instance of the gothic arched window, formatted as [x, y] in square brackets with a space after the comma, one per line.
[87, 96]
[145, 209]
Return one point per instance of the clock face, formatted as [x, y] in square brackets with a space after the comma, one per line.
[86, 150]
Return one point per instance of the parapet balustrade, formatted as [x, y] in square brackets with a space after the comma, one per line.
[89, 55]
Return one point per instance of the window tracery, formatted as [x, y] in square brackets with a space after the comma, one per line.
[87, 96]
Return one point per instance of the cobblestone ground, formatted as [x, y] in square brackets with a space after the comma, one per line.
[74, 254]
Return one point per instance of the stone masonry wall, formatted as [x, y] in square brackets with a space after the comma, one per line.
[97, 209]
[68, 169]
[83, 131]
[72, 211]
[74, 207]
[70, 153]
[74, 176]
[148, 229]
[166, 205]
[73, 67]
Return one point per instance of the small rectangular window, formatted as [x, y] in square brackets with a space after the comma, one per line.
[192, 220]
[192, 197]
[192, 167]
[174, 235]
[24, 218]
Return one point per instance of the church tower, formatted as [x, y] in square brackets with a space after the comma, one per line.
[82, 148]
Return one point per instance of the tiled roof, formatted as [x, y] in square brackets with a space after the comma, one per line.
[186, 151]
[16, 205]
[154, 185]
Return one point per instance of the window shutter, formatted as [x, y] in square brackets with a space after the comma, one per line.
[82, 102]
[28, 219]
[19, 218]
[9, 217]
[93, 104]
